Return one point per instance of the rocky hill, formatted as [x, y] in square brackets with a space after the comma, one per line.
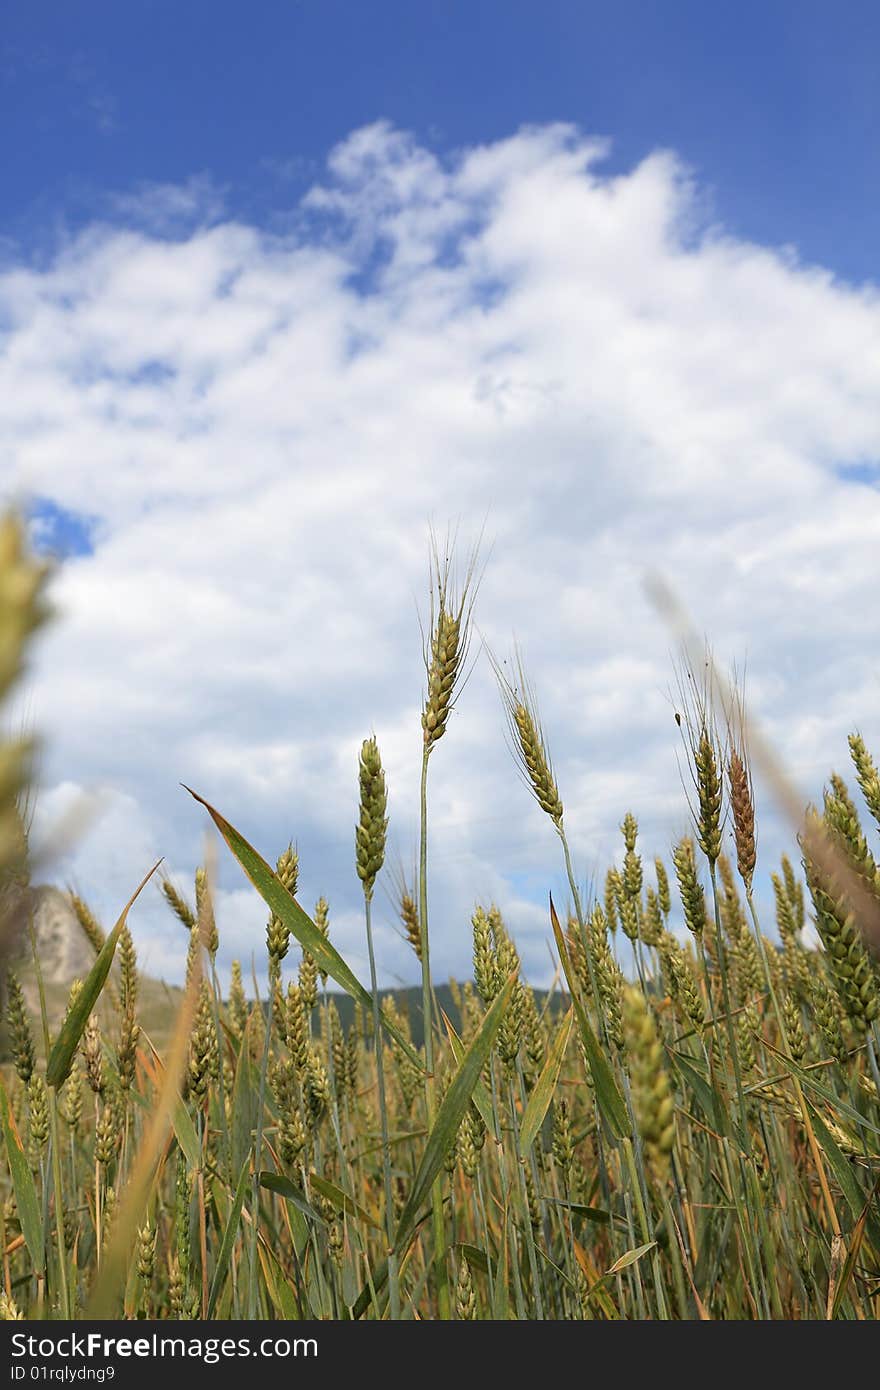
[64, 953]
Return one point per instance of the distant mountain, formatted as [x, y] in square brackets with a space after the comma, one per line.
[409, 1003]
[65, 955]
[64, 952]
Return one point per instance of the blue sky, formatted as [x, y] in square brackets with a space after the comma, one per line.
[776, 106]
[281, 285]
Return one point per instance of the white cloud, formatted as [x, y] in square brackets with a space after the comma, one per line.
[263, 425]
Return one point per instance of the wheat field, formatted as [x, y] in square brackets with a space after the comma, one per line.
[686, 1126]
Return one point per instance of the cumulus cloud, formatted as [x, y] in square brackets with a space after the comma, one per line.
[259, 427]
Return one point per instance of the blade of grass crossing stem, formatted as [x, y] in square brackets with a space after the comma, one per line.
[23, 1185]
[855, 1197]
[501, 1301]
[710, 1101]
[64, 1051]
[449, 1115]
[342, 1201]
[855, 1245]
[300, 924]
[245, 1099]
[277, 1182]
[539, 1100]
[376, 1285]
[631, 1257]
[480, 1097]
[229, 1235]
[366, 1296]
[808, 1079]
[137, 1190]
[185, 1133]
[610, 1101]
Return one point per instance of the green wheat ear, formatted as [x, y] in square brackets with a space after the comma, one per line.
[866, 774]
[447, 648]
[651, 1089]
[20, 1036]
[690, 889]
[372, 827]
[527, 741]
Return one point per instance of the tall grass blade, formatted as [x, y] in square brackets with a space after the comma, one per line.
[26, 1198]
[539, 1100]
[229, 1235]
[64, 1051]
[610, 1101]
[299, 923]
[449, 1116]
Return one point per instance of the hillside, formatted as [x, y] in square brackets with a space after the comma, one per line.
[65, 955]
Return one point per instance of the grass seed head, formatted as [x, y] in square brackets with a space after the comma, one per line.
[128, 987]
[681, 983]
[88, 923]
[277, 932]
[826, 1012]
[794, 889]
[9, 1310]
[742, 808]
[663, 895]
[38, 1114]
[93, 1056]
[563, 1145]
[794, 1029]
[709, 792]
[372, 827]
[205, 913]
[527, 741]
[651, 1090]
[609, 978]
[866, 774]
[126, 1052]
[352, 1062]
[465, 1296]
[447, 648]
[204, 1055]
[146, 1252]
[106, 1137]
[178, 904]
[297, 1028]
[322, 922]
[745, 1041]
[409, 917]
[472, 1138]
[510, 1032]
[238, 1007]
[533, 1036]
[851, 965]
[485, 964]
[652, 922]
[308, 982]
[690, 889]
[316, 1088]
[72, 1099]
[20, 1036]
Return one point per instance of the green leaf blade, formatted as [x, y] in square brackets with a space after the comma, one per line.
[299, 923]
[23, 1185]
[73, 1027]
[539, 1100]
[449, 1115]
[229, 1234]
